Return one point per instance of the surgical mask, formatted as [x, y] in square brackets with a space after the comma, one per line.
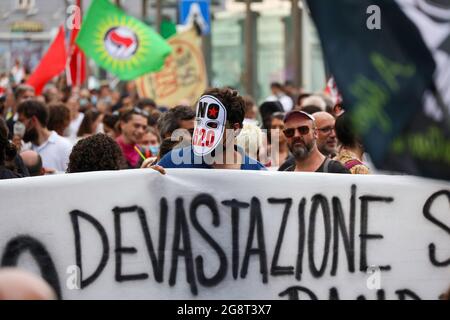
[84, 102]
[154, 150]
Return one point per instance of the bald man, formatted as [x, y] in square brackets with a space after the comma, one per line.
[17, 284]
[33, 162]
[326, 134]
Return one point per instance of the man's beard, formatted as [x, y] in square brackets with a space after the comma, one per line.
[31, 135]
[301, 152]
[326, 150]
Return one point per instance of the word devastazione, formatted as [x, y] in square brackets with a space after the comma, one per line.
[302, 236]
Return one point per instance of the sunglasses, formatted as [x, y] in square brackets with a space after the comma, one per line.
[290, 132]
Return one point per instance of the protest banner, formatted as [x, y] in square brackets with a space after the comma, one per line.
[215, 234]
[183, 76]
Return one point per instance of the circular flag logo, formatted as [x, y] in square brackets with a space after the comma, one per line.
[121, 43]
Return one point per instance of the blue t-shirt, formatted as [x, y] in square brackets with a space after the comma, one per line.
[185, 158]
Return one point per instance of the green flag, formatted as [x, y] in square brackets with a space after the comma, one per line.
[119, 43]
[168, 28]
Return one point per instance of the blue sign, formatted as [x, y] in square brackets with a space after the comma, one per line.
[198, 11]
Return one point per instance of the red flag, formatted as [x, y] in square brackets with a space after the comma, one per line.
[76, 70]
[51, 65]
[332, 90]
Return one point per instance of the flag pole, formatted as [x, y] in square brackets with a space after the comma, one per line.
[249, 49]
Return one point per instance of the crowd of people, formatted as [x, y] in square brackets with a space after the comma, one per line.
[78, 130]
[81, 130]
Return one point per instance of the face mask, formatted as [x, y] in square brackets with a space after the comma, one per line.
[211, 116]
[19, 129]
[84, 102]
[154, 150]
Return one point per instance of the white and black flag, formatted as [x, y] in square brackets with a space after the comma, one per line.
[394, 76]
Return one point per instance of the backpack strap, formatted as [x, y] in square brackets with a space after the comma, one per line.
[291, 168]
[326, 165]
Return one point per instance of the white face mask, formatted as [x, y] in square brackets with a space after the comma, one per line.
[211, 116]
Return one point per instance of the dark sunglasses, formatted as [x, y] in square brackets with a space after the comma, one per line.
[290, 132]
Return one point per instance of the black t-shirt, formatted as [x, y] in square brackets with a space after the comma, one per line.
[8, 174]
[333, 167]
[328, 166]
[289, 162]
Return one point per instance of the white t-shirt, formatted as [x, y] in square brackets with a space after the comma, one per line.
[54, 152]
[72, 129]
[285, 101]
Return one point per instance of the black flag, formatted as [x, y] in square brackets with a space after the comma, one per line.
[391, 63]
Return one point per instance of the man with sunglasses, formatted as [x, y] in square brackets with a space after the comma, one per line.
[133, 124]
[301, 133]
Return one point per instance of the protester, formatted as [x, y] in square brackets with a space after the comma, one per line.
[278, 94]
[133, 123]
[59, 118]
[7, 151]
[290, 89]
[51, 95]
[53, 148]
[177, 124]
[329, 103]
[250, 139]
[351, 150]
[18, 72]
[168, 144]
[33, 162]
[278, 148]
[147, 104]
[96, 153]
[302, 96]
[217, 110]
[76, 117]
[314, 100]
[301, 133]
[22, 93]
[310, 109]
[266, 109]
[150, 143]
[105, 94]
[326, 133]
[110, 125]
[251, 111]
[179, 117]
[153, 118]
[92, 123]
[84, 99]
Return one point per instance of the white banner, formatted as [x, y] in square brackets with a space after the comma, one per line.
[214, 234]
